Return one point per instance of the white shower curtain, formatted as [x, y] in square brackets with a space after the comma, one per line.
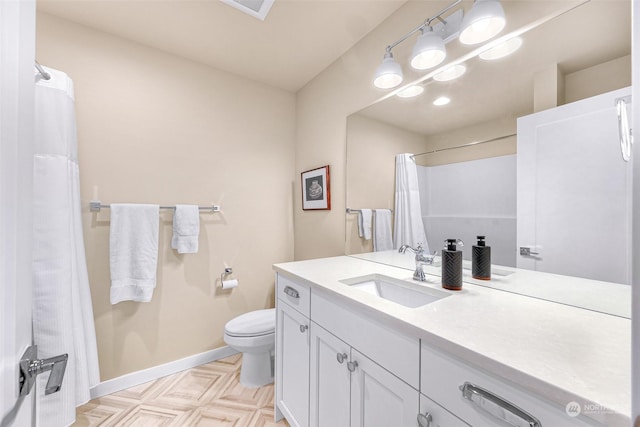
[62, 309]
[408, 226]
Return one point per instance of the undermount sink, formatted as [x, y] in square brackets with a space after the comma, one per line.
[395, 290]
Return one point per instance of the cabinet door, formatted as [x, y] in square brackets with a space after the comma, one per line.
[378, 398]
[292, 365]
[330, 380]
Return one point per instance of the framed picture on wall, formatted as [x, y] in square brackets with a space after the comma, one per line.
[316, 193]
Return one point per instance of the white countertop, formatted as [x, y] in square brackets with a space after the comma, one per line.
[560, 352]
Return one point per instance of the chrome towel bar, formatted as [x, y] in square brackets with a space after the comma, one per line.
[96, 205]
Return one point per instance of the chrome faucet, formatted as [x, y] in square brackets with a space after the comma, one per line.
[421, 260]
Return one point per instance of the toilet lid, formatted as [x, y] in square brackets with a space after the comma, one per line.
[254, 323]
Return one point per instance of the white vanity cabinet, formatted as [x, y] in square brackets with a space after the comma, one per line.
[292, 351]
[349, 389]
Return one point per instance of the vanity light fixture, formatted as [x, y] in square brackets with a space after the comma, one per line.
[503, 49]
[450, 73]
[389, 73]
[428, 51]
[484, 20]
[411, 91]
[443, 100]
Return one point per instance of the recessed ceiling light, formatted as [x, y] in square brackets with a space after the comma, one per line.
[450, 73]
[443, 100]
[502, 50]
[411, 91]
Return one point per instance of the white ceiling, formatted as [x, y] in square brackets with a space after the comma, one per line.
[297, 40]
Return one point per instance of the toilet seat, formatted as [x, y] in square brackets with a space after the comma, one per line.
[252, 324]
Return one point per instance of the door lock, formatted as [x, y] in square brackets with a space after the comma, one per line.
[31, 366]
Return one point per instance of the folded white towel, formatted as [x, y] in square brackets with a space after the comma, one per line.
[133, 251]
[186, 228]
[364, 224]
[382, 238]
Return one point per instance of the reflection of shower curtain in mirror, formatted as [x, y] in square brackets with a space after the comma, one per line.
[408, 226]
[62, 308]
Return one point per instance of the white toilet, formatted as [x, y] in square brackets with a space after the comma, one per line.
[254, 335]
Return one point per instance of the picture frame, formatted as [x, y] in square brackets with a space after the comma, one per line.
[316, 190]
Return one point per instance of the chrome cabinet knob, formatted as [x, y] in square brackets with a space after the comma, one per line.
[341, 357]
[351, 366]
[303, 328]
[424, 420]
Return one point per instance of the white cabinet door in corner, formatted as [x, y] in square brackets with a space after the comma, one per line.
[292, 365]
[330, 380]
[379, 398]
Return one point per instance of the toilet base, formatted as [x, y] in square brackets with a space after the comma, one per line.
[257, 369]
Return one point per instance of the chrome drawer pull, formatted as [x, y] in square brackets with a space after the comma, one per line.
[291, 292]
[498, 407]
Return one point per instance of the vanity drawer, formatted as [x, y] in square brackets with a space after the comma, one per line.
[470, 393]
[394, 351]
[295, 294]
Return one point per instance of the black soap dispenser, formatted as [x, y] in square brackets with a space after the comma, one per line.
[452, 265]
[481, 260]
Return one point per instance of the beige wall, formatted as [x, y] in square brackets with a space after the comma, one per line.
[154, 128]
[599, 79]
[370, 177]
[322, 108]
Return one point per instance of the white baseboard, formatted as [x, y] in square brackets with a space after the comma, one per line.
[140, 377]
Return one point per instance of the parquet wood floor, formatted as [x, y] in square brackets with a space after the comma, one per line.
[206, 396]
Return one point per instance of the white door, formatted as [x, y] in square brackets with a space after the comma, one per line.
[379, 398]
[17, 32]
[330, 380]
[574, 191]
[292, 341]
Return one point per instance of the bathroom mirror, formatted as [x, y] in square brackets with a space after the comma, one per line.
[560, 61]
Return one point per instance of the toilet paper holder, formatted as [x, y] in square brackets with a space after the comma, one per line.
[227, 271]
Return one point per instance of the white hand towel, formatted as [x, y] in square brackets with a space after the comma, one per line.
[364, 224]
[133, 250]
[186, 228]
[382, 238]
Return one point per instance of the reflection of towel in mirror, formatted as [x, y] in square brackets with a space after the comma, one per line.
[133, 251]
[186, 228]
[364, 224]
[382, 238]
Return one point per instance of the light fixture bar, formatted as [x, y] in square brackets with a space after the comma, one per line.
[425, 24]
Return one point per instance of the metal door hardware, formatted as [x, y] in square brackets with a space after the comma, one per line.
[424, 420]
[526, 251]
[291, 292]
[341, 357]
[497, 406]
[303, 328]
[351, 366]
[31, 366]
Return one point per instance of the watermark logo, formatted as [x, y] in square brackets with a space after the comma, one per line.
[573, 409]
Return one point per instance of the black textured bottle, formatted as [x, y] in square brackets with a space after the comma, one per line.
[452, 265]
[481, 260]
